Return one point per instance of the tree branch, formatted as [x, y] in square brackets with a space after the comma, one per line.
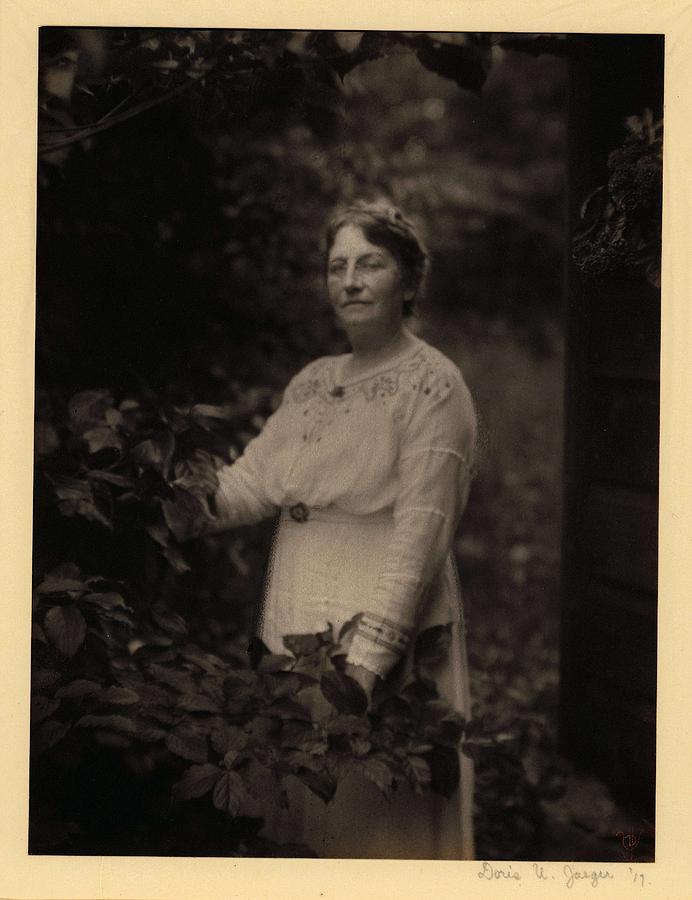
[103, 125]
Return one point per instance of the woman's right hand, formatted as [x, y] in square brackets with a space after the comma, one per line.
[188, 515]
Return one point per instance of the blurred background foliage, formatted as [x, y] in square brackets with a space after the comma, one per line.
[193, 220]
[184, 177]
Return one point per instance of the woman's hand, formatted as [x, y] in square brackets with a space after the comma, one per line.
[365, 678]
[188, 515]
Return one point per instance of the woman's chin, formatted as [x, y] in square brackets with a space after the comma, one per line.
[358, 315]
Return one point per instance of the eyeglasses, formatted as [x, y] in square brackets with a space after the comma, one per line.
[339, 269]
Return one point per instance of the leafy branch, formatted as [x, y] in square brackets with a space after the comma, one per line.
[87, 131]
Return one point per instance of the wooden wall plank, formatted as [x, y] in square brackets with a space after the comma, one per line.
[616, 641]
[621, 536]
[624, 329]
[619, 741]
[623, 433]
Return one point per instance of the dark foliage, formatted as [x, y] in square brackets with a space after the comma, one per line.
[622, 220]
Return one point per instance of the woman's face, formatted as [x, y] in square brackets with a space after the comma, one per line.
[364, 282]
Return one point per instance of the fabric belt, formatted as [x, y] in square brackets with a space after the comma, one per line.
[300, 513]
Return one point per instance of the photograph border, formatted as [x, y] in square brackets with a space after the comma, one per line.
[149, 877]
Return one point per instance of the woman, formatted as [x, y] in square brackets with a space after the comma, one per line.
[368, 457]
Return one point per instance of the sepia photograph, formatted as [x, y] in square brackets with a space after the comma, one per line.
[346, 444]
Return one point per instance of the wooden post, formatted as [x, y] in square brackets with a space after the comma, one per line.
[608, 637]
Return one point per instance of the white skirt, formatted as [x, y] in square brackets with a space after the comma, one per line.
[322, 571]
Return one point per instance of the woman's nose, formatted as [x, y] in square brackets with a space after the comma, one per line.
[353, 279]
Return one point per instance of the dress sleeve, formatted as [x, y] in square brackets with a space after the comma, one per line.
[250, 489]
[434, 472]
[244, 493]
[241, 498]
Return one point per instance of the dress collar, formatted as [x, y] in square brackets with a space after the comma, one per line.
[338, 362]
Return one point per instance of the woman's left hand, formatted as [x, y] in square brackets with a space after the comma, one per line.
[365, 678]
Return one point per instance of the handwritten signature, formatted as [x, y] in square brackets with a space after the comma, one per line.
[569, 874]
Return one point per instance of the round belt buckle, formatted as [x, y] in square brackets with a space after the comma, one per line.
[299, 512]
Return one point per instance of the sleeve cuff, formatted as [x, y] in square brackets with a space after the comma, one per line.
[377, 644]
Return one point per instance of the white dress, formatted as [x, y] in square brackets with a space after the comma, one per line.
[370, 475]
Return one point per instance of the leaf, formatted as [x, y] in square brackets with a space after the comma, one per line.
[349, 626]
[114, 417]
[111, 478]
[396, 713]
[273, 662]
[102, 437]
[379, 773]
[348, 41]
[170, 621]
[206, 661]
[237, 678]
[43, 678]
[320, 783]
[229, 793]
[196, 782]
[184, 513]
[42, 707]
[181, 681]
[348, 725]
[111, 739]
[65, 628]
[150, 733]
[229, 738]
[360, 746]
[89, 406]
[262, 783]
[303, 644]
[158, 532]
[174, 557]
[187, 743]
[155, 453]
[284, 684]
[46, 438]
[315, 664]
[152, 694]
[465, 65]
[162, 716]
[344, 693]
[197, 703]
[47, 736]
[432, 647]
[300, 761]
[115, 615]
[119, 696]
[445, 732]
[200, 412]
[76, 498]
[107, 601]
[310, 741]
[537, 44]
[418, 771]
[66, 570]
[285, 708]
[82, 687]
[116, 723]
[52, 584]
